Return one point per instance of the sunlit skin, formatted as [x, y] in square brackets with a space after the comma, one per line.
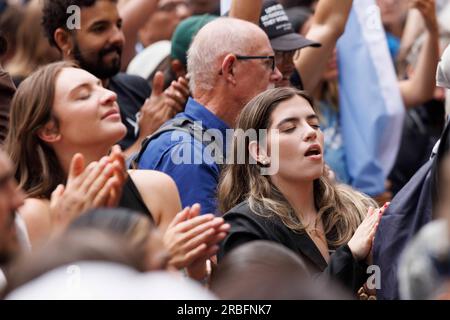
[299, 129]
[87, 121]
[82, 105]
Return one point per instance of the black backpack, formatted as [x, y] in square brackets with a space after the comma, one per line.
[180, 124]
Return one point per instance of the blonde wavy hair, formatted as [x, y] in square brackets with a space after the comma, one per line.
[340, 208]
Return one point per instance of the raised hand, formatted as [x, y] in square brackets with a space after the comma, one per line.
[177, 94]
[361, 243]
[155, 110]
[428, 10]
[86, 188]
[117, 159]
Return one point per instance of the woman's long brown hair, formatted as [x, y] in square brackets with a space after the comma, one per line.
[340, 208]
[37, 168]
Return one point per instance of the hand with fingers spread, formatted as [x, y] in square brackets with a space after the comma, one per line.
[361, 243]
[86, 188]
[192, 239]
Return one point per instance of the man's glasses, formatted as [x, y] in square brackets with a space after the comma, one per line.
[272, 58]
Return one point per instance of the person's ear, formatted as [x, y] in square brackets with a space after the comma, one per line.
[258, 154]
[227, 69]
[178, 68]
[64, 42]
[49, 132]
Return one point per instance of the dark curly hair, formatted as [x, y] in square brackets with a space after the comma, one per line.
[55, 15]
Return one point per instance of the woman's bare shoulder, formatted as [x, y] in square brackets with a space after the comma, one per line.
[152, 179]
[36, 215]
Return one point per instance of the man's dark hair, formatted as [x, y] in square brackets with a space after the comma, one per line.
[55, 15]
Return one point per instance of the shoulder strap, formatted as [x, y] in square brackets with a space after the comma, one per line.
[180, 124]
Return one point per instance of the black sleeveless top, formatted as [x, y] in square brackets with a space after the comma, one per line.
[131, 199]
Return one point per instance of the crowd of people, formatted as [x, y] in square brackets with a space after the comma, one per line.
[182, 149]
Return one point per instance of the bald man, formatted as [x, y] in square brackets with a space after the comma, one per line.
[230, 61]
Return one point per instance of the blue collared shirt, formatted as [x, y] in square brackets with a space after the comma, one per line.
[198, 177]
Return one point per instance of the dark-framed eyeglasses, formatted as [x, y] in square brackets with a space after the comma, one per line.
[258, 57]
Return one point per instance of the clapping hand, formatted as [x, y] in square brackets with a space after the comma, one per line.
[97, 185]
[192, 239]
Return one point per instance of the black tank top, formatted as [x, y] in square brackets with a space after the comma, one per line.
[131, 199]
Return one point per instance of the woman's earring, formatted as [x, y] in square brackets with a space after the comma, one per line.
[265, 162]
[69, 52]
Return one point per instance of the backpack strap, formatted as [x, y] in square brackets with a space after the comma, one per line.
[180, 124]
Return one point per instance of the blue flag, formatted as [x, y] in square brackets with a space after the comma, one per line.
[371, 106]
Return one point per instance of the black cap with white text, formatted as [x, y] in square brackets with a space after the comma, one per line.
[275, 22]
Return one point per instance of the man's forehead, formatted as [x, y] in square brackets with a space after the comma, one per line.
[261, 46]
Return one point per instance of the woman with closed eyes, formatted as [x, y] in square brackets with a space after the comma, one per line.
[330, 226]
[63, 128]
